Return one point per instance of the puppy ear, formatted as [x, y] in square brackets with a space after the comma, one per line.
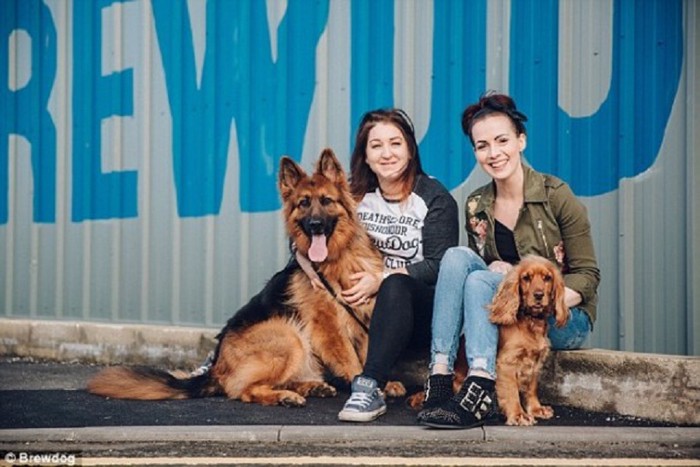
[506, 302]
[290, 174]
[561, 311]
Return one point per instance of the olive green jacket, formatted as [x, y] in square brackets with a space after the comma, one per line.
[552, 223]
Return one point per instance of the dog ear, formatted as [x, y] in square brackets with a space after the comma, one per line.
[329, 166]
[290, 174]
[561, 311]
[506, 302]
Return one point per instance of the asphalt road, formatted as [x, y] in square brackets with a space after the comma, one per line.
[43, 408]
[51, 395]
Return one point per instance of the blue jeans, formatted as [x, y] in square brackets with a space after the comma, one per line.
[465, 286]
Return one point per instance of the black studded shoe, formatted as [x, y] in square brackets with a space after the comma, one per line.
[438, 390]
[468, 408]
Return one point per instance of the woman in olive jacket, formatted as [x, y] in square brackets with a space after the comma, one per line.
[519, 212]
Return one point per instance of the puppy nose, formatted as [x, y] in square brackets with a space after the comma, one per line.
[539, 295]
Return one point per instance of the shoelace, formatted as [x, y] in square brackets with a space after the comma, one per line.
[200, 371]
[362, 399]
[205, 367]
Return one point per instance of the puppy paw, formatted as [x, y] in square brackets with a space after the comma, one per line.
[395, 389]
[520, 419]
[544, 412]
[415, 401]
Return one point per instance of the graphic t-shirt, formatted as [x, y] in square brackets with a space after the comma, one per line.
[395, 227]
[416, 232]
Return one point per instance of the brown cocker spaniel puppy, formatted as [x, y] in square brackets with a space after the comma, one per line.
[530, 292]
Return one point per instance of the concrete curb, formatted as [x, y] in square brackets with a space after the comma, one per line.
[658, 387]
[107, 344]
[284, 433]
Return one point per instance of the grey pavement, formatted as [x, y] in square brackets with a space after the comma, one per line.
[658, 387]
[43, 407]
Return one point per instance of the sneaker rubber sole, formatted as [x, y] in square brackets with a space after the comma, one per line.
[352, 416]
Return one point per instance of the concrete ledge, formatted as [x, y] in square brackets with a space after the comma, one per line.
[658, 387]
[129, 344]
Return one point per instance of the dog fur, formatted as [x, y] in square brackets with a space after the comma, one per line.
[531, 292]
[274, 349]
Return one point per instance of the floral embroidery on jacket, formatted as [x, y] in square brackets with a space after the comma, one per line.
[477, 225]
[560, 256]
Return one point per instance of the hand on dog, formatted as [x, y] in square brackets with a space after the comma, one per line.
[366, 285]
[571, 297]
[500, 266]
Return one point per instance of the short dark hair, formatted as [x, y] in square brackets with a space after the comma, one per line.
[493, 103]
[362, 179]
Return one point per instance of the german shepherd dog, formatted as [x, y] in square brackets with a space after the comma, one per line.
[274, 349]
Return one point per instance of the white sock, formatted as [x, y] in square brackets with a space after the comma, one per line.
[440, 369]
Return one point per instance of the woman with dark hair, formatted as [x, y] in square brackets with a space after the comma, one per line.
[413, 220]
[519, 212]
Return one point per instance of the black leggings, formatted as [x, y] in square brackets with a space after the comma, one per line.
[401, 320]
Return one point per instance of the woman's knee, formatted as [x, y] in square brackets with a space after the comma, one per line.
[393, 308]
[458, 258]
[483, 280]
[573, 334]
[396, 283]
[395, 290]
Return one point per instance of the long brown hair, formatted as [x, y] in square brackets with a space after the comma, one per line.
[362, 179]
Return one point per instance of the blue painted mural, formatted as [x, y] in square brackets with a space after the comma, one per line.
[630, 124]
[269, 98]
[25, 111]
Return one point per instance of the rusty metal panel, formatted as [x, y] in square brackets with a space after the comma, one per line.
[139, 140]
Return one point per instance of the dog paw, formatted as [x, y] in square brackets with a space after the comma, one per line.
[415, 401]
[292, 400]
[544, 412]
[520, 419]
[323, 390]
[395, 389]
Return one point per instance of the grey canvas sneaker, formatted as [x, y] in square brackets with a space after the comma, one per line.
[366, 402]
[204, 367]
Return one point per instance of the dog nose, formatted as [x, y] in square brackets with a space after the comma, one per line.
[315, 226]
[539, 295]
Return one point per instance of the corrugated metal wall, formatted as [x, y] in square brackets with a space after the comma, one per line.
[139, 140]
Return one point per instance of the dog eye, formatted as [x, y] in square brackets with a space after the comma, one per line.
[325, 201]
[305, 202]
[526, 277]
[547, 278]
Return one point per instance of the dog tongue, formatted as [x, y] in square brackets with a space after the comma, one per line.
[318, 249]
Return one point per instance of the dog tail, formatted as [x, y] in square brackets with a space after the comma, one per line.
[144, 383]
